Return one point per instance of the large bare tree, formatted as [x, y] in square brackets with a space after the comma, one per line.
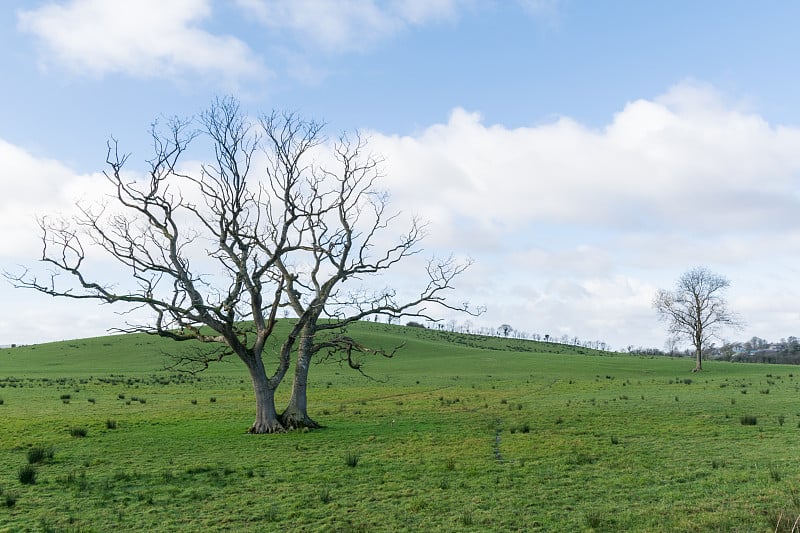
[215, 251]
[696, 309]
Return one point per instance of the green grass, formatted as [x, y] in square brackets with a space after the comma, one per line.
[456, 433]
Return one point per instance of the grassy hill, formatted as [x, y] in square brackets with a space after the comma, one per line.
[455, 433]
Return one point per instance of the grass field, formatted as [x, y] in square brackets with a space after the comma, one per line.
[459, 434]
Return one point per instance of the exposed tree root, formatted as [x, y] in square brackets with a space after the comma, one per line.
[263, 428]
[298, 421]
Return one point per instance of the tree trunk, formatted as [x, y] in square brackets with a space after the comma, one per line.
[699, 366]
[295, 416]
[266, 416]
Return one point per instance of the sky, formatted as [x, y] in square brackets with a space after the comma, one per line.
[583, 154]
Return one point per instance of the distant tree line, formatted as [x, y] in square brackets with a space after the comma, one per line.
[786, 351]
[504, 330]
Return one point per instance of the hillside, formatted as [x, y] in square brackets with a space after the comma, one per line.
[455, 433]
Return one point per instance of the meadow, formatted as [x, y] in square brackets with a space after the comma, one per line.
[456, 433]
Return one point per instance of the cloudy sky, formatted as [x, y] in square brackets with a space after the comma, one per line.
[584, 154]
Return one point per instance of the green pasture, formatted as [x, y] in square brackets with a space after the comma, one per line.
[456, 433]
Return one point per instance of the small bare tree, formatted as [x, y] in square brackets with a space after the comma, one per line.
[696, 309]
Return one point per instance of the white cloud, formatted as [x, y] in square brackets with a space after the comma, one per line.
[145, 38]
[592, 221]
[659, 164]
[34, 187]
[347, 25]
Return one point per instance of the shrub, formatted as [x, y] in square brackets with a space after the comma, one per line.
[748, 420]
[78, 432]
[27, 474]
[39, 454]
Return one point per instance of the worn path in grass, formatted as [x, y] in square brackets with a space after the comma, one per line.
[458, 433]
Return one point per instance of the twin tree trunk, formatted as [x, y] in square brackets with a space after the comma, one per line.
[267, 420]
[296, 414]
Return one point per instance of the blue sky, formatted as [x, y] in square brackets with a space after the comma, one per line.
[583, 153]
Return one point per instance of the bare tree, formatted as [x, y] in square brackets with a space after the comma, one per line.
[215, 253]
[345, 225]
[696, 309]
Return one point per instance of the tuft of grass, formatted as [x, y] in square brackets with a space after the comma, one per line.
[39, 454]
[718, 463]
[594, 519]
[324, 495]
[580, 458]
[111, 423]
[78, 432]
[775, 473]
[466, 518]
[27, 474]
[271, 514]
[748, 420]
[351, 459]
[10, 499]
